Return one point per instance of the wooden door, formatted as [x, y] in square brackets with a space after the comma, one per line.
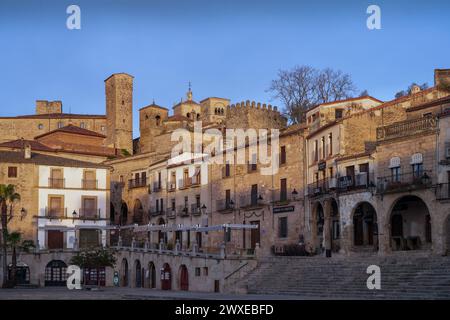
[56, 178]
[55, 239]
[166, 278]
[255, 235]
[184, 278]
[89, 208]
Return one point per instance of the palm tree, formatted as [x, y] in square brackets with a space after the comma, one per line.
[15, 243]
[8, 196]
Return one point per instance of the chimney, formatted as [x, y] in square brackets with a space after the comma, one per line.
[27, 151]
[442, 78]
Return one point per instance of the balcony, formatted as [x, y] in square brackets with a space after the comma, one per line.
[183, 211]
[184, 183]
[361, 181]
[89, 184]
[321, 187]
[137, 183]
[55, 213]
[57, 183]
[89, 214]
[154, 212]
[250, 201]
[224, 205]
[195, 209]
[404, 182]
[443, 191]
[195, 181]
[406, 128]
[171, 213]
[156, 187]
[171, 186]
[281, 197]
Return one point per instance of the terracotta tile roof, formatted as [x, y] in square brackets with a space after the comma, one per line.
[58, 116]
[345, 100]
[293, 128]
[153, 105]
[43, 159]
[75, 130]
[20, 144]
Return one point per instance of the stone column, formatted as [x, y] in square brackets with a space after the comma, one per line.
[327, 227]
[383, 235]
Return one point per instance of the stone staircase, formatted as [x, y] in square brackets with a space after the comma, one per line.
[404, 275]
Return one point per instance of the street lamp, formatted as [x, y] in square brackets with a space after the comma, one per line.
[203, 209]
[294, 194]
[231, 204]
[74, 214]
[425, 178]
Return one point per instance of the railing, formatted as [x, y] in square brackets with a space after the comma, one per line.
[442, 191]
[406, 128]
[57, 183]
[156, 186]
[184, 183]
[249, 201]
[281, 196]
[195, 180]
[183, 211]
[90, 184]
[55, 213]
[359, 181]
[171, 213]
[320, 187]
[404, 182]
[224, 205]
[195, 209]
[171, 186]
[89, 214]
[137, 183]
[156, 211]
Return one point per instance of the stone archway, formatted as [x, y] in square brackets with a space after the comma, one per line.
[137, 274]
[335, 225]
[166, 277]
[365, 227]
[123, 214]
[410, 225]
[124, 280]
[317, 226]
[184, 278]
[151, 275]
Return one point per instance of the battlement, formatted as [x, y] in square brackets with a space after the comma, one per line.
[254, 105]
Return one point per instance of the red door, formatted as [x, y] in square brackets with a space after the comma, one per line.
[184, 278]
[55, 239]
[166, 278]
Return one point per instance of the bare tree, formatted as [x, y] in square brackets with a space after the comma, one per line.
[304, 87]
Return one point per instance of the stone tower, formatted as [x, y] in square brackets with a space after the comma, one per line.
[119, 111]
[151, 120]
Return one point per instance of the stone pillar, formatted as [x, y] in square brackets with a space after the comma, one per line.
[119, 242]
[194, 247]
[327, 227]
[133, 243]
[222, 250]
[383, 236]
[177, 246]
[161, 244]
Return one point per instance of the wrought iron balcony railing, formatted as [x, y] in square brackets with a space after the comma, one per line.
[57, 183]
[55, 213]
[405, 182]
[89, 184]
[442, 191]
[89, 213]
[137, 183]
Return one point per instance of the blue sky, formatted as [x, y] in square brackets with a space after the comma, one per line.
[227, 48]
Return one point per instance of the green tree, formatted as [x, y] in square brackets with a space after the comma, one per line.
[15, 242]
[94, 259]
[8, 196]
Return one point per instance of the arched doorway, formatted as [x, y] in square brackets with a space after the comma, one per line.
[365, 226]
[151, 275]
[166, 277]
[124, 273]
[55, 274]
[138, 274]
[138, 212]
[22, 273]
[335, 227]
[123, 214]
[410, 224]
[317, 227]
[184, 278]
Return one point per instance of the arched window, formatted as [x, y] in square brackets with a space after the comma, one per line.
[215, 111]
[188, 115]
[198, 116]
[158, 120]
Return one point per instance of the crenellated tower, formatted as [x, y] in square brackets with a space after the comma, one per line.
[119, 111]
